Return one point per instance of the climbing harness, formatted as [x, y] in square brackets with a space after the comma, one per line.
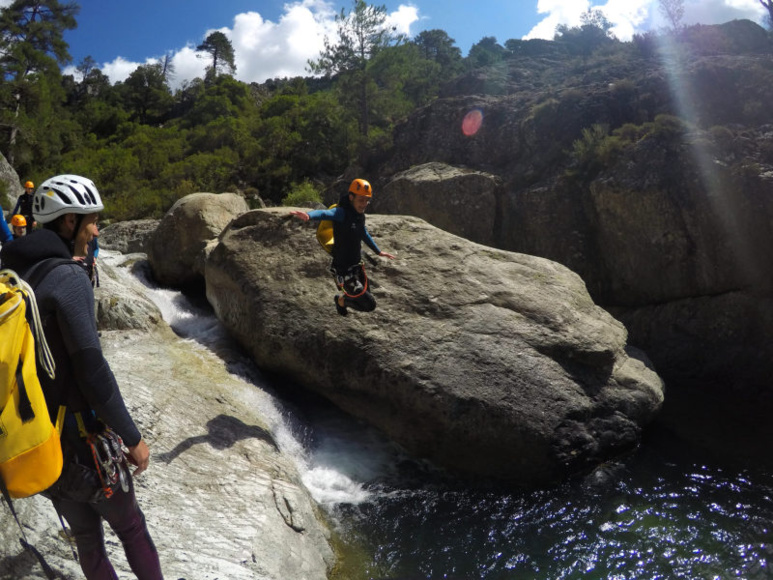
[110, 461]
[353, 282]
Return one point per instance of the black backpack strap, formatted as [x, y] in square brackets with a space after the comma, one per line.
[49, 572]
[35, 275]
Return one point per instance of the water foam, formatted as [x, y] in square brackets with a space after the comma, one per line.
[334, 466]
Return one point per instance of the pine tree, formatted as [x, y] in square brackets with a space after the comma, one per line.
[361, 35]
[673, 11]
[221, 51]
[768, 5]
[31, 43]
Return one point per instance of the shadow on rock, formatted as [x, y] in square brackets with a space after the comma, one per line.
[223, 432]
[21, 565]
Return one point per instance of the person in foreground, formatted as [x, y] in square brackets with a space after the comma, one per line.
[67, 206]
[349, 231]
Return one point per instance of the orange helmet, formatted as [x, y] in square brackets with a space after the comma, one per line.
[19, 221]
[361, 187]
[29, 185]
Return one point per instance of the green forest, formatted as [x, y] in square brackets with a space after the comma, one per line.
[146, 145]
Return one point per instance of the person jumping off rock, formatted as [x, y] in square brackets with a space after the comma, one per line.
[349, 231]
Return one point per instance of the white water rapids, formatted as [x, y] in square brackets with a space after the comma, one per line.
[336, 456]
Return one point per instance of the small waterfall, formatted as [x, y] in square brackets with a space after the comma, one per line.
[336, 456]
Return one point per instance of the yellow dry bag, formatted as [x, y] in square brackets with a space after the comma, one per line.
[30, 449]
[325, 233]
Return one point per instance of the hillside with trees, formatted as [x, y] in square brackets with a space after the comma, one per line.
[148, 145]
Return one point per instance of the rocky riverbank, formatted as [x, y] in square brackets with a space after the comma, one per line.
[221, 499]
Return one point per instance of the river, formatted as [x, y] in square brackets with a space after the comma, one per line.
[671, 509]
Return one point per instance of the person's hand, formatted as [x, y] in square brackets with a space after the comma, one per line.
[139, 455]
[300, 215]
[386, 255]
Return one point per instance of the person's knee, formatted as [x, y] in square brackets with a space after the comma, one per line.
[368, 304]
[364, 303]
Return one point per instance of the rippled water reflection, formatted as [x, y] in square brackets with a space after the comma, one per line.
[650, 516]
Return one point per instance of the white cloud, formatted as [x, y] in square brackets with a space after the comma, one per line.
[718, 11]
[558, 12]
[628, 16]
[403, 18]
[636, 16]
[264, 49]
[187, 65]
[119, 69]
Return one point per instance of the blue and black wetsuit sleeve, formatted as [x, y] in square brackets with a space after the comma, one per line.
[366, 237]
[336, 214]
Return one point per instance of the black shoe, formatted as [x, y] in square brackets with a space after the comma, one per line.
[340, 309]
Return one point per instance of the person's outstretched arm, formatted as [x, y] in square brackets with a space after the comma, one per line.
[371, 243]
[336, 214]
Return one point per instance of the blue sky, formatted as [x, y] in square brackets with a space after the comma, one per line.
[275, 39]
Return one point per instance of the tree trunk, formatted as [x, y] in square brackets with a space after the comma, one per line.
[14, 129]
[365, 124]
[768, 4]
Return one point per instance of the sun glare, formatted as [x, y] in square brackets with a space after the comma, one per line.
[472, 122]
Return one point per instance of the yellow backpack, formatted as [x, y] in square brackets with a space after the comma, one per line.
[325, 233]
[30, 448]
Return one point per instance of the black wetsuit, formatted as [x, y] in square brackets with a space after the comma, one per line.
[24, 207]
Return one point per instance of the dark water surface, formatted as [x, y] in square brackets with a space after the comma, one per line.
[651, 516]
[668, 510]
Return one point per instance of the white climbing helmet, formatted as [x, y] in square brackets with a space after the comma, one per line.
[65, 194]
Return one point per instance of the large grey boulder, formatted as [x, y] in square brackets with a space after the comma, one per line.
[11, 182]
[457, 200]
[128, 237]
[121, 302]
[485, 361]
[177, 246]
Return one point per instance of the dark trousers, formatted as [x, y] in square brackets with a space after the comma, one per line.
[364, 302]
[124, 516]
[353, 281]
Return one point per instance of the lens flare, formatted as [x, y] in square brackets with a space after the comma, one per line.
[472, 122]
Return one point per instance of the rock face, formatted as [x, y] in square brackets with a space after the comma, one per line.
[128, 237]
[668, 220]
[10, 179]
[487, 362]
[220, 499]
[179, 242]
[463, 202]
[121, 301]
